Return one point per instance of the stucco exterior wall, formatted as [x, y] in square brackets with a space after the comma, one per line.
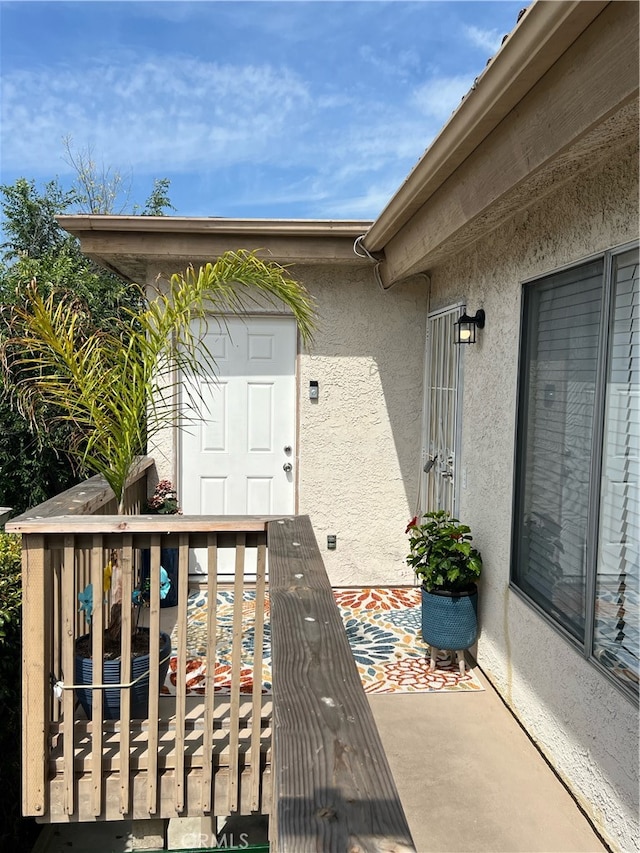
[586, 727]
[358, 445]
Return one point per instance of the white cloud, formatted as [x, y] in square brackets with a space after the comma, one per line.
[397, 64]
[366, 205]
[333, 151]
[177, 116]
[440, 96]
[489, 40]
[146, 115]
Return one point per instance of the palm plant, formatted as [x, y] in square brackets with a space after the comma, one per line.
[117, 386]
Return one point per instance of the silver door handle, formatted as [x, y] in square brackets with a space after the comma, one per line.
[287, 467]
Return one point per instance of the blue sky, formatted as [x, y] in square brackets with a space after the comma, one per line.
[252, 109]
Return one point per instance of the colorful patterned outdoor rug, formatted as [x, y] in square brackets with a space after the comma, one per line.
[382, 625]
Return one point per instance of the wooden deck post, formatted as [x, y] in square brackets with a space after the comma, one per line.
[332, 785]
[35, 683]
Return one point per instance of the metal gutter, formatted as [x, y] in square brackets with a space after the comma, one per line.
[83, 223]
[543, 34]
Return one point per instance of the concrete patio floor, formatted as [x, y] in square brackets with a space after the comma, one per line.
[468, 777]
[471, 780]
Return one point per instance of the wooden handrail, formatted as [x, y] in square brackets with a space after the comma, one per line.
[85, 498]
[120, 524]
[332, 785]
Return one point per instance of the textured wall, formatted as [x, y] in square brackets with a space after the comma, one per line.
[360, 443]
[587, 728]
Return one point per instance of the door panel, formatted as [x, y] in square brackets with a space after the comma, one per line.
[233, 453]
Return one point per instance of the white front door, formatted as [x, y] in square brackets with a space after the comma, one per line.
[237, 458]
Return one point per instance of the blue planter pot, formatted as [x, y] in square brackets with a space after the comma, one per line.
[450, 619]
[169, 562]
[111, 675]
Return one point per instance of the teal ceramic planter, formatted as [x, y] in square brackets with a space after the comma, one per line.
[450, 619]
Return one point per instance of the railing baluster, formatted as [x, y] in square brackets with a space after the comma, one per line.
[208, 771]
[125, 670]
[54, 627]
[256, 710]
[97, 655]
[236, 660]
[154, 685]
[181, 669]
[35, 676]
[68, 668]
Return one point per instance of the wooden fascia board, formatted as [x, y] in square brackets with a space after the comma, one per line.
[539, 40]
[156, 248]
[158, 241]
[592, 82]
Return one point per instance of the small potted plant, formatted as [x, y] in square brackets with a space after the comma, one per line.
[110, 672]
[441, 554]
[163, 501]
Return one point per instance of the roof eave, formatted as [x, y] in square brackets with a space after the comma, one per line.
[541, 36]
[78, 224]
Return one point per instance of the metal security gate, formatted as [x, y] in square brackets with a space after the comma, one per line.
[441, 421]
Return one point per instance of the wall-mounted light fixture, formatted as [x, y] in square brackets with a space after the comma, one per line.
[465, 327]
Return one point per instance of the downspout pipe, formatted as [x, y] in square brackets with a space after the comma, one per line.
[378, 259]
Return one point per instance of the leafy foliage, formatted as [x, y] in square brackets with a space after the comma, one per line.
[441, 553]
[158, 201]
[29, 218]
[118, 387]
[98, 189]
[32, 468]
[101, 189]
[10, 595]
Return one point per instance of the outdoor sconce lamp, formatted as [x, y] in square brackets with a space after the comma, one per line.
[465, 327]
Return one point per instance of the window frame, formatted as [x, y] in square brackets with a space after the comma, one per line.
[584, 648]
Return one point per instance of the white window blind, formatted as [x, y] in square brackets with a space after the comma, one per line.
[616, 639]
[556, 435]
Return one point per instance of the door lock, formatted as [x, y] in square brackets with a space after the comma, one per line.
[287, 448]
[287, 467]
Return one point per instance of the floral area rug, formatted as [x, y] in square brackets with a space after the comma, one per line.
[382, 625]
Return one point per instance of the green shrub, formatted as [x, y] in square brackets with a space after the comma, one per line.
[10, 592]
[16, 833]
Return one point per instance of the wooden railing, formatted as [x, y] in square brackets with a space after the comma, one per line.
[327, 786]
[332, 787]
[205, 754]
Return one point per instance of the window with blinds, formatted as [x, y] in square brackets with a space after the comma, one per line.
[616, 636]
[576, 518]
